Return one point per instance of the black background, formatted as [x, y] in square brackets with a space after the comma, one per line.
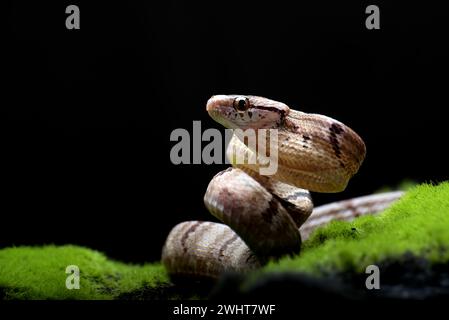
[86, 115]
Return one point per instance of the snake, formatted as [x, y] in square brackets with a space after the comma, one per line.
[267, 217]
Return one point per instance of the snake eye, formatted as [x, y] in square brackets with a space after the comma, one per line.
[241, 104]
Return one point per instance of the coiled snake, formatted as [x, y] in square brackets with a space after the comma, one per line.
[266, 216]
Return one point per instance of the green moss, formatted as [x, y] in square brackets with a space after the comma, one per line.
[39, 273]
[416, 224]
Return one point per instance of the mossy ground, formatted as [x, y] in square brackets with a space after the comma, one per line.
[39, 273]
[416, 225]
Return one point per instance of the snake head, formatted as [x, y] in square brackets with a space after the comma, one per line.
[245, 112]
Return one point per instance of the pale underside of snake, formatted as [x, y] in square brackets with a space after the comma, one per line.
[265, 216]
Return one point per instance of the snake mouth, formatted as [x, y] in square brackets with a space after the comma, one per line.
[219, 108]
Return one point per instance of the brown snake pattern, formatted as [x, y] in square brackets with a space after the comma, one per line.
[267, 216]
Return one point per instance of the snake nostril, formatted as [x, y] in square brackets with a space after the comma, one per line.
[211, 103]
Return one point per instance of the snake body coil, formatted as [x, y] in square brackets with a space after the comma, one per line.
[266, 216]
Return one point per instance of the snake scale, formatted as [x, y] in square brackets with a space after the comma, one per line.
[266, 217]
